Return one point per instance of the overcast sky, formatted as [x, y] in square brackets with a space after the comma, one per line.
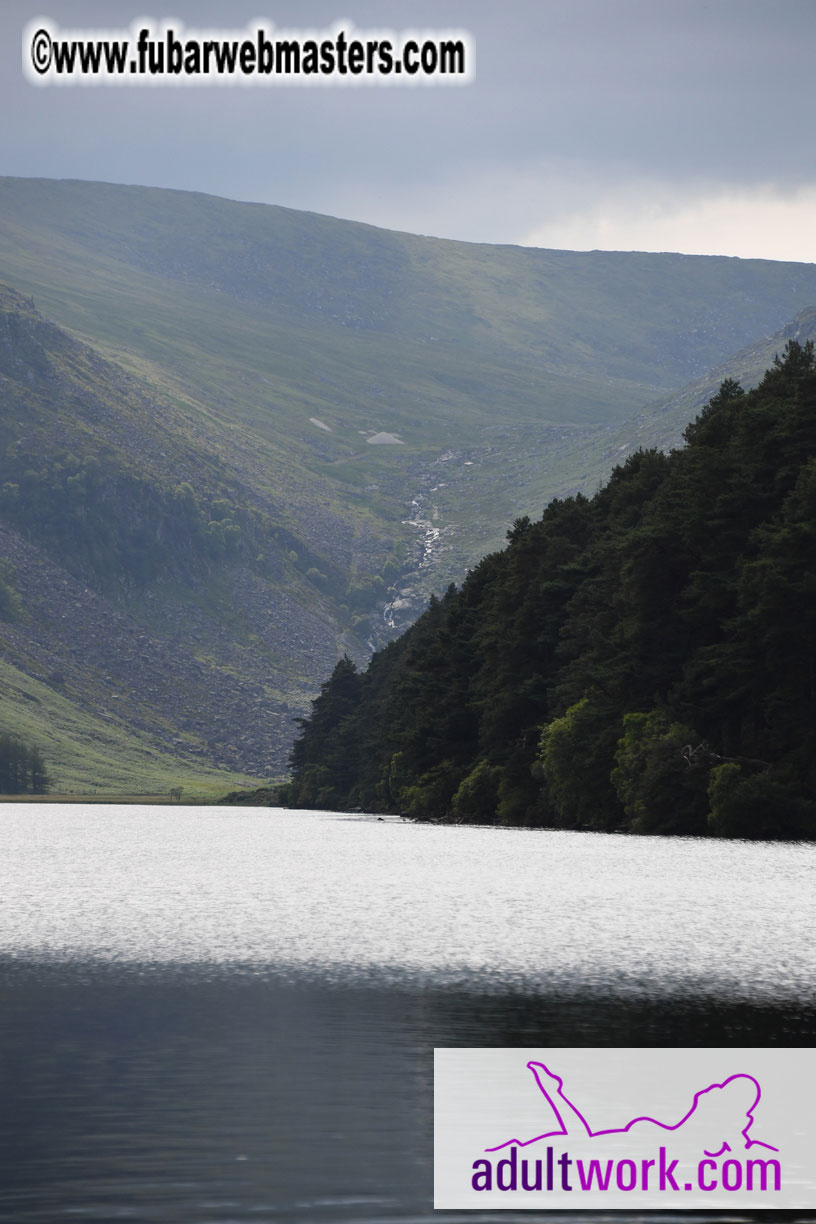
[681, 125]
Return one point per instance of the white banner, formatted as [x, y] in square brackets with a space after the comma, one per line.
[612, 1129]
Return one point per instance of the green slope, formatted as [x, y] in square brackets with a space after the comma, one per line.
[582, 462]
[375, 327]
[86, 753]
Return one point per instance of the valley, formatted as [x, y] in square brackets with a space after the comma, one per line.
[239, 441]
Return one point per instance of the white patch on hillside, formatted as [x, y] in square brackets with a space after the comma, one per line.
[384, 439]
[320, 425]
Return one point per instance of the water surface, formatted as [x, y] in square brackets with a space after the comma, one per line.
[367, 898]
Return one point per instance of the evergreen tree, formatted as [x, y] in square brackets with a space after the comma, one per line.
[22, 767]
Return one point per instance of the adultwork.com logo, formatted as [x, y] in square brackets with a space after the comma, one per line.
[711, 1126]
[616, 1128]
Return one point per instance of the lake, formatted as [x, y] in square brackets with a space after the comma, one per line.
[218, 1015]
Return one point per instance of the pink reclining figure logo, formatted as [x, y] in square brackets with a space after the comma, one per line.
[712, 1120]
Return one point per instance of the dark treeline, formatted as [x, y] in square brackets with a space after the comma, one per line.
[22, 768]
[641, 660]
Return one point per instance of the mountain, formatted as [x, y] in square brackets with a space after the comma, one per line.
[644, 660]
[241, 441]
[262, 321]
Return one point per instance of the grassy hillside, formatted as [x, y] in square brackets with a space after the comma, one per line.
[178, 277]
[584, 462]
[540, 465]
[244, 440]
[86, 752]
